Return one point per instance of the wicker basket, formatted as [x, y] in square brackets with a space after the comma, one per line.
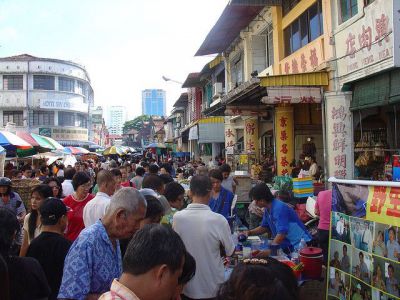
[24, 188]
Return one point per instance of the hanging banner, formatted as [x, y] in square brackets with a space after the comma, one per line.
[292, 95]
[364, 256]
[284, 138]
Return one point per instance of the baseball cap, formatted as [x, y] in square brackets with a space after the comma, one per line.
[51, 210]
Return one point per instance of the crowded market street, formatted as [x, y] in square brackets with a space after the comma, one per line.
[267, 167]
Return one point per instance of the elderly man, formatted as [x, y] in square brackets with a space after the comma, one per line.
[94, 259]
[96, 208]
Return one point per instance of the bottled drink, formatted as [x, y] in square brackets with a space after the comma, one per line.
[302, 244]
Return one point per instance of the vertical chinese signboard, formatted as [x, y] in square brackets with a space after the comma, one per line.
[284, 138]
[339, 133]
[364, 250]
[230, 134]
[251, 135]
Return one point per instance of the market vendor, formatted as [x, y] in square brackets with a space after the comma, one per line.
[286, 228]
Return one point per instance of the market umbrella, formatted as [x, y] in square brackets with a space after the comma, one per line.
[14, 145]
[56, 145]
[114, 150]
[156, 145]
[75, 150]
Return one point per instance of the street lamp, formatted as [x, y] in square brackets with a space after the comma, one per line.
[169, 79]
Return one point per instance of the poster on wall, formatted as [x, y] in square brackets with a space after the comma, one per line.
[364, 248]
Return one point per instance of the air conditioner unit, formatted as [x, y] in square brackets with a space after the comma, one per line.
[217, 89]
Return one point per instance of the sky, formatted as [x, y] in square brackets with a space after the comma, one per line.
[125, 45]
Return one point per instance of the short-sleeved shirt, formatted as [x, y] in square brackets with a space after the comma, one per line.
[324, 205]
[364, 270]
[223, 204]
[391, 247]
[91, 264]
[392, 286]
[228, 183]
[50, 249]
[15, 204]
[75, 216]
[38, 229]
[281, 219]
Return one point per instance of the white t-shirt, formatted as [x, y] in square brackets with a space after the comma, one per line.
[202, 232]
[96, 208]
[228, 183]
[67, 187]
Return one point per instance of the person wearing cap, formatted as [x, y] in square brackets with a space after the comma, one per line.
[50, 248]
[94, 259]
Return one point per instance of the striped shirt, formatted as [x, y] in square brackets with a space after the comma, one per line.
[118, 292]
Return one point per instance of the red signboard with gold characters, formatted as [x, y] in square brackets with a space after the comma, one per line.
[284, 139]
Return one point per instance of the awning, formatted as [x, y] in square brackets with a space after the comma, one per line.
[182, 100]
[233, 19]
[304, 79]
[211, 130]
[193, 80]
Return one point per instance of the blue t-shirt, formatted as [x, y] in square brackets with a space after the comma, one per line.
[91, 264]
[222, 205]
[282, 219]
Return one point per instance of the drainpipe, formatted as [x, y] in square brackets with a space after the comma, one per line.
[27, 99]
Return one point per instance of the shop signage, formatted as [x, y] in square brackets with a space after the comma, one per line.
[73, 104]
[364, 254]
[284, 139]
[97, 118]
[69, 134]
[193, 133]
[45, 132]
[230, 134]
[246, 110]
[251, 135]
[369, 44]
[257, 2]
[307, 59]
[292, 95]
[339, 129]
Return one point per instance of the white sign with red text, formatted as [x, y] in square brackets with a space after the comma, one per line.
[368, 45]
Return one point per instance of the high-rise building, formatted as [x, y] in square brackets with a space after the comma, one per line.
[117, 119]
[154, 102]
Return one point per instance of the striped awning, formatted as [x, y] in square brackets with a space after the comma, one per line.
[304, 79]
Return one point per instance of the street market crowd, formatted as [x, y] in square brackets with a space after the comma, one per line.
[139, 229]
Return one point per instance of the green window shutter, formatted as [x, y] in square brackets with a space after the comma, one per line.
[371, 92]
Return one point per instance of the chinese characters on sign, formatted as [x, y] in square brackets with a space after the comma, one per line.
[306, 62]
[230, 138]
[284, 142]
[338, 117]
[383, 205]
[368, 41]
[251, 135]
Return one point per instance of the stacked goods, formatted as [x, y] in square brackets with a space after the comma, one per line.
[24, 188]
[303, 187]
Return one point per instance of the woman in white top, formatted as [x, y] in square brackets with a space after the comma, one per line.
[32, 225]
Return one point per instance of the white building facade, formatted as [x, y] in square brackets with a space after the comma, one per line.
[117, 119]
[47, 96]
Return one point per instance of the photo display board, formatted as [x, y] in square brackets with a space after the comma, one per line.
[364, 246]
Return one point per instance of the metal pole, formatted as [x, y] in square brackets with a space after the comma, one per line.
[324, 137]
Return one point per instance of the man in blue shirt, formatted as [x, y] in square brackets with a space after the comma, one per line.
[282, 221]
[94, 259]
[221, 199]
